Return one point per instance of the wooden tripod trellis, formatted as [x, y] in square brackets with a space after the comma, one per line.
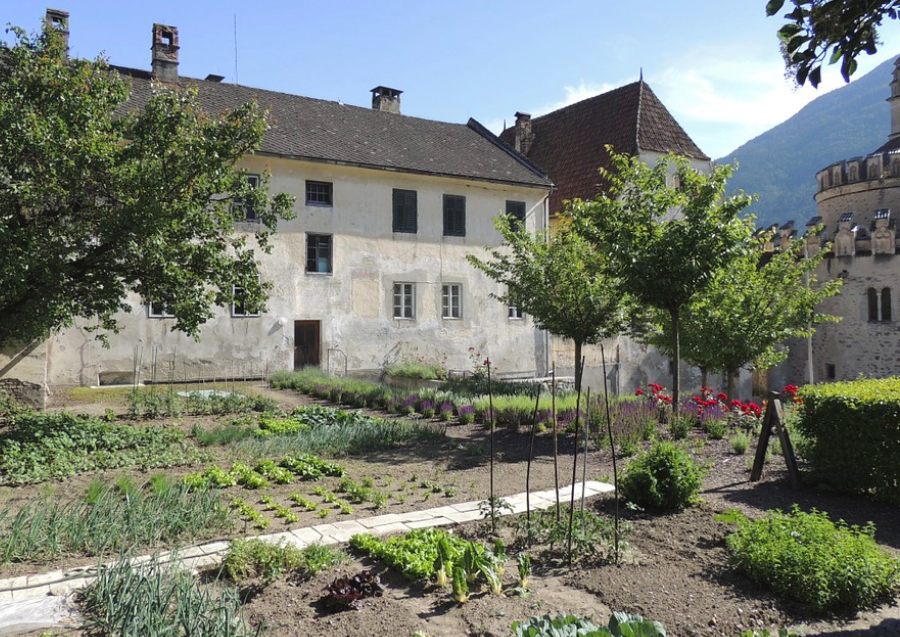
[774, 419]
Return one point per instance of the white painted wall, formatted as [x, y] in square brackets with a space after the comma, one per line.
[354, 304]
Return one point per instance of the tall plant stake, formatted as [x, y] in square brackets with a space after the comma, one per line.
[612, 447]
[493, 500]
[555, 439]
[587, 431]
[579, 372]
[537, 403]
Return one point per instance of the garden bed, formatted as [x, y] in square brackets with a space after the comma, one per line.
[677, 572]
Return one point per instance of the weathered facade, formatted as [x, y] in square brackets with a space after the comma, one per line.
[857, 201]
[371, 271]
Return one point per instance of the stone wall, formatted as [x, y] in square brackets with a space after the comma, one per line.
[26, 393]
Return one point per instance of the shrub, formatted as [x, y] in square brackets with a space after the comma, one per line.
[852, 433]
[740, 442]
[417, 370]
[680, 426]
[806, 557]
[663, 478]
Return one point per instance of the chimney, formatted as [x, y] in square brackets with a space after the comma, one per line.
[59, 20]
[524, 136]
[386, 99]
[165, 53]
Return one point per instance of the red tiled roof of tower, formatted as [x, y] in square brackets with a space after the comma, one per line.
[569, 144]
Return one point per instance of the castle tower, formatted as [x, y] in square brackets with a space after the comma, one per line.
[894, 101]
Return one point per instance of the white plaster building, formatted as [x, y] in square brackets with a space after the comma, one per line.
[372, 269]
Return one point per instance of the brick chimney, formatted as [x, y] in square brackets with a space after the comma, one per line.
[59, 20]
[524, 135]
[386, 99]
[165, 53]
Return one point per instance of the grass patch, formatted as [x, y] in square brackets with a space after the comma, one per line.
[111, 520]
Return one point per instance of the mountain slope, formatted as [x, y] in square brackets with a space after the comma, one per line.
[781, 164]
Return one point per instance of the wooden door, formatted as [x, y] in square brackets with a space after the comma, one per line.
[307, 348]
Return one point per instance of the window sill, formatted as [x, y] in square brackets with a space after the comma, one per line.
[319, 273]
[318, 204]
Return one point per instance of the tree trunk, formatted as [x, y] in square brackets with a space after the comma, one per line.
[578, 367]
[704, 377]
[676, 355]
[729, 383]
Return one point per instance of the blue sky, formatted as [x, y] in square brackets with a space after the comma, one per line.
[714, 64]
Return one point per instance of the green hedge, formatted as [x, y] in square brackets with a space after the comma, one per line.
[852, 432]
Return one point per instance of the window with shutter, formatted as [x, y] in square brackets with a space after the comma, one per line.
[454, 216]
[406, 214]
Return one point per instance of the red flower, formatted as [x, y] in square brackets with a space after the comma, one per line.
[737, 403]
[721, 396]
[487, 362]
[656, 387]
[666, 399]
[639, 392]
[789, 390]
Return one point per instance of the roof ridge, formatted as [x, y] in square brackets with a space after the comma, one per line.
[637, 123]
[482, 130]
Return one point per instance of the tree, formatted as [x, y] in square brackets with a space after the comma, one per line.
[845, 28]
[752, 306]
[99, 198]
[665, 233]
[557, 280]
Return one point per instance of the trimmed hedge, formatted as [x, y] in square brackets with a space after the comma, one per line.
[852, 432]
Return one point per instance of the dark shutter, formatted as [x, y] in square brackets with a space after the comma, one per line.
[454, 216]
[405, 211]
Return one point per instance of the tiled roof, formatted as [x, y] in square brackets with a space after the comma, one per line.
[569, 144]
[321, 130]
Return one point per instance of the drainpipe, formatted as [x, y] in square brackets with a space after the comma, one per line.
[546, 222]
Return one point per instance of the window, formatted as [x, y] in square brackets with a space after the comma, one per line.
[243, 210]
[319, 193]
[830, 371]
[451, 301]
[404, 300]
[406, 213]
[454, 216]
[318, 253]
[515, 312]
[159, 309]
[516, 211]
[879, 308]
[241, 307]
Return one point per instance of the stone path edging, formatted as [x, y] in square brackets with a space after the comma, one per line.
[201, 556]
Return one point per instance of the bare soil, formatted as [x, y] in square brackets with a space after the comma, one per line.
[677, 571]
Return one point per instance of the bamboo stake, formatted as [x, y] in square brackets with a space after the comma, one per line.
[612, 447]
[537, 403]
[555, 439]
[493, 501]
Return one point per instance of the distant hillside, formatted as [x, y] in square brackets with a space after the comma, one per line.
[781, 164]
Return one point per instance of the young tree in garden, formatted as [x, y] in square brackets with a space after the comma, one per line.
[753, 305]
[99, 198]
[665, 233]
[558, 280]
[845, 28]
